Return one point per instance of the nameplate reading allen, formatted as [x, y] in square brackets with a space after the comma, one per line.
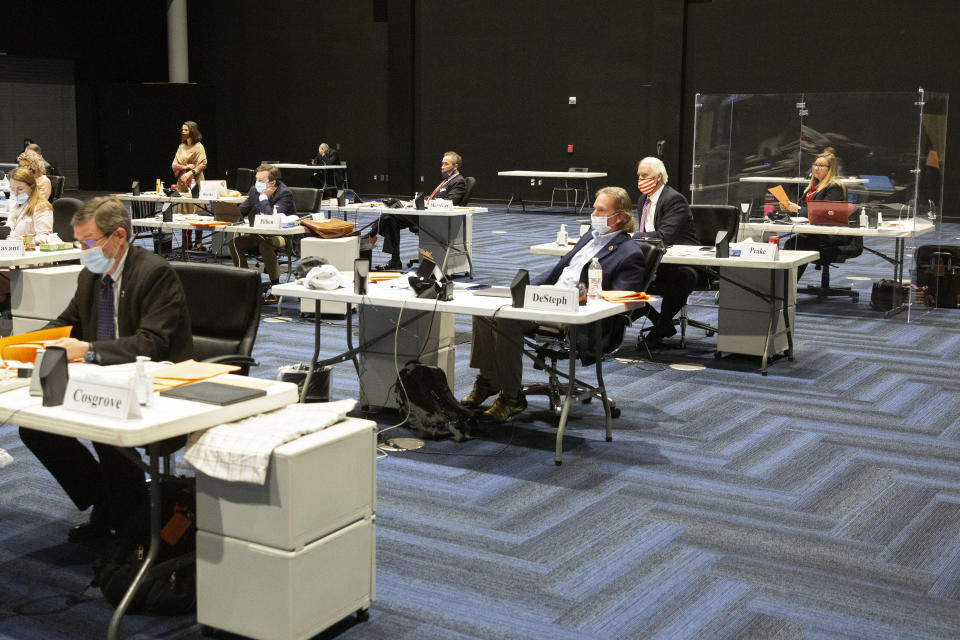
[107, 399]
[550, 298]
[12, 248]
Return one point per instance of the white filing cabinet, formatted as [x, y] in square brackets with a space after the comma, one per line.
[743, 318]
[38, 296]
[340, 252]
[287, 559]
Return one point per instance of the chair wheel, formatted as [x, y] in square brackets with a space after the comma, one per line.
[586, 400]
[614, 412]
[856, 298]
[363, 615]
[716, 355]
[710, 334]
[207, 632]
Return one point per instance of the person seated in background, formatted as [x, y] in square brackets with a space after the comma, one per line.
[49, 168]
[665, 216]
[31, 216]
[129, 302]
[824, 185]
[266, 194]
[453, 188]
[497, 349]
[26, 143]
[326, 155]
[34, 161]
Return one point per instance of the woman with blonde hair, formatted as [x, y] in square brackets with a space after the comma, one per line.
[34, 161]
[824, 181]
[32, 214]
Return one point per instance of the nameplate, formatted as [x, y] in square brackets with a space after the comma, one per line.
[550, 298]
[757, 251]
[441, 204]
[116, 400]
[11, 248]
[209, 193]
[319, 216]
[268, 221]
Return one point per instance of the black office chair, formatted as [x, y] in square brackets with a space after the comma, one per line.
[833, 250]
[63, 210]
[471, 184]
[549, 344]
[224, 305]
[306, 199]
[56, 187]
[713, 223]
[245, 179]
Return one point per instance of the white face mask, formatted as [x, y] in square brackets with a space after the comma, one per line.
[599, 224]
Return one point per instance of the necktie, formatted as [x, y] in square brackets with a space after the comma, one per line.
[438, 188]
[105, 330]
[643, 215]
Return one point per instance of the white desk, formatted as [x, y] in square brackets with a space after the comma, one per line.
[310, 167]
[778, 298]
[167, 418]
[447, 234]
[466, 303]
[795, 180]
[586, 176]
[38, 257]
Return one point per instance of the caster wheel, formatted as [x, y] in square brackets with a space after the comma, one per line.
[856, 298]
[363, 615]
[586, 400]
[716, 355]
[614, 412]
[710, 334]
[558, 462]
[609, 438]
[207, 632]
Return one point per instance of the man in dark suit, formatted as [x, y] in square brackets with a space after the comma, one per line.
[665, 215]
[268, 192]
[129, 302]
[497, 351]
[326, 155]
[453, 188]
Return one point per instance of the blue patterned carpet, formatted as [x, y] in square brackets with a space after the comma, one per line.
[821, 501]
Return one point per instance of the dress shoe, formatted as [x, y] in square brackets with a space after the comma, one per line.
[393, 265]
[271, 299]
[504, 408]
[94, 529]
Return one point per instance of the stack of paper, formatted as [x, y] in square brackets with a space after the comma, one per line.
[383, 276]
[176, 375]
[624, 296]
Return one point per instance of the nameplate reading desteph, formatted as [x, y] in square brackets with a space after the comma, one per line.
[102, 398]
[550, 298]
[12, 248]
[757, 251]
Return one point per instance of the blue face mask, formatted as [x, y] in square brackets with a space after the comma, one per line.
[448, 173]
[260, 186]
[95, 261]
[21, 198]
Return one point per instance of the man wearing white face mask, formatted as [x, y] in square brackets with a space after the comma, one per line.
[129, 302]
[497, 353]
[664, 215]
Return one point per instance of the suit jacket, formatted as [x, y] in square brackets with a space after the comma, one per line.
[152, 318]
[672, 220]
[624, 269]
[454, 190]
[329, 158]
[831, 193]
[282, 198]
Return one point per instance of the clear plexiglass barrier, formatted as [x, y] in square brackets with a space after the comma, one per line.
[888, 155]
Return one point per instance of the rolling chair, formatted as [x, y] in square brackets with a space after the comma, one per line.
[833, 250]
[63, 210]
[550, 344]
[306, 200]
[245, 180]
[712, 222]
[566, 189]
[56, 187]
[471, 183]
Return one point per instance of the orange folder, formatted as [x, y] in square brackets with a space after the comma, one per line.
[23, 346]
[624, 296]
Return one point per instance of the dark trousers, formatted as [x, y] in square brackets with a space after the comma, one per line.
[389, 226]
[115, 481]
[673, 284]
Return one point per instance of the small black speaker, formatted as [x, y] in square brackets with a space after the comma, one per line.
[518, 288]
[723, 244]
[361, 267]
[341, 198]
[53, 376]
[418, 202]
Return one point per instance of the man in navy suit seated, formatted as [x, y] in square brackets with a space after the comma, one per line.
[497, 352]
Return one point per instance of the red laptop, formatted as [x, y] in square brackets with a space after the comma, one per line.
[826, 212]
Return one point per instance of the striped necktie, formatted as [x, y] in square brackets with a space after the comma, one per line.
[105, 328]
[643, 215]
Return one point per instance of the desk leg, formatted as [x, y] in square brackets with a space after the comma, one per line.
[607, 415]
[786, 310]
[155, 504]
[350, 348]
[316, 351]
[571, 391]
[516, 195]
[771, 326]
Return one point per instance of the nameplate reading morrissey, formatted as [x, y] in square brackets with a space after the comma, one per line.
[101, 398]
[11, 248]
[550, 298]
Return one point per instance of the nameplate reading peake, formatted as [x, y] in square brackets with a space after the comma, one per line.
[758, 251]
[116, 400]
[12, 248]
[550, 298]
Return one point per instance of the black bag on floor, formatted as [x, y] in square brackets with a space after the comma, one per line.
[432, 411]
[886, 295]
[170, 586]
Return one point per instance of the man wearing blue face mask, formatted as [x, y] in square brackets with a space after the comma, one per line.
[129, 302]
[266, 194]
[498, 353]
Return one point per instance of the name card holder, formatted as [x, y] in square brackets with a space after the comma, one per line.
[441, 204]
[209, 193]
[550, 298]
[756, 251]
[268, 221]
[12, 248]
[116, 400]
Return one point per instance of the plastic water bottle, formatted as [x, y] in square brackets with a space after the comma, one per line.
[143, 382]
[562, 236]
[594, 278]
[879, 219]
[864, 221]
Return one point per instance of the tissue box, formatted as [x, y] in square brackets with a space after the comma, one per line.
[62, 246]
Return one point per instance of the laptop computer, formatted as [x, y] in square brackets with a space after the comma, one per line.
[832, 213]
[496, 291]
[225, 211]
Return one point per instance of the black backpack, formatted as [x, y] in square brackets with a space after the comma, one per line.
[170, 585]
[432, 411]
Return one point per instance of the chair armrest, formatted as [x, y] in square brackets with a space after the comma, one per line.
[239, 360]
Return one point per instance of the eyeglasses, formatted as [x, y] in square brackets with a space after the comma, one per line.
[83, 245]
[821, 166]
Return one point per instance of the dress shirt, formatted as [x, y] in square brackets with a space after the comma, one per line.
[651, 210]
[570, 276]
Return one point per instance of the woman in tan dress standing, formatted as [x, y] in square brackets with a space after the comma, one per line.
[188, 165]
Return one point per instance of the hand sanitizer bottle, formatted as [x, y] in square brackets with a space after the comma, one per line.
[879, 219]
[594, 278]
[562, 236]
[864, 221]
[143, 382]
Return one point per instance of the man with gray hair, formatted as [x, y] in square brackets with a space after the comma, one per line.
[129, 302]
[664, 215]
